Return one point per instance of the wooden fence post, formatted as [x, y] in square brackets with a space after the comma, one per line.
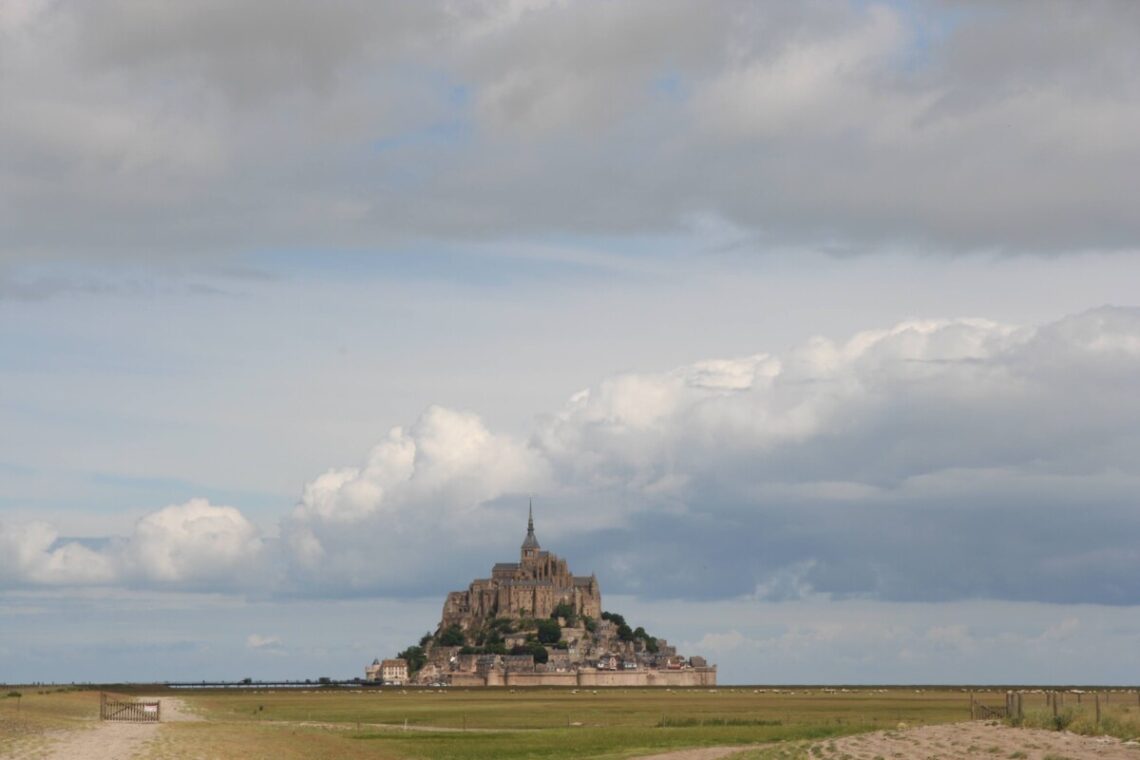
[972, 716]
[1098, 708]
[1054, 704]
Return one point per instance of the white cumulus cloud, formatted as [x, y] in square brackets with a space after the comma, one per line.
[32, 553]
[195, 542]
[420, 491]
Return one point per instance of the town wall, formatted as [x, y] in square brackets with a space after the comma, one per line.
[688, 677]
[589, 677]
[542, 679]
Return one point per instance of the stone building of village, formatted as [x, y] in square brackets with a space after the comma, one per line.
[393, 671]
[492, 633]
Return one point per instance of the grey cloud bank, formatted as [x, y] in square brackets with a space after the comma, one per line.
[212, 129]
[929, 461]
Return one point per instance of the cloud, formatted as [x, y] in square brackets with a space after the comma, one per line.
[420, 490]
[260, 643]
[932, 460]
[864, 641]
[173, 131]
[719, 643]
[824, 84]
[31, 553]
[187, 546]
[195, 542]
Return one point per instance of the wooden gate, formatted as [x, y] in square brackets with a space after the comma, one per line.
[129, 710]
[986, 712]
[1011, 708]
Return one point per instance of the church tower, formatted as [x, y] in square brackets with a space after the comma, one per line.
[530, 545]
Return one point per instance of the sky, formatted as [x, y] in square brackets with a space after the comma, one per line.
[812, 329]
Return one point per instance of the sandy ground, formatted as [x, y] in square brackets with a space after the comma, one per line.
[102, 740]
[976, 739]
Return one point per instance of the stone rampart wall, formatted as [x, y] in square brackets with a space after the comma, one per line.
[467, 679]
[542, 679]
[592, 678]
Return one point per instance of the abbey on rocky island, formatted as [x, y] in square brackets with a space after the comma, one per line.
[534, 623]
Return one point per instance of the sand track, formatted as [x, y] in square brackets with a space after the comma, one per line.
[976, 739]
[99, 740]
[703, 753]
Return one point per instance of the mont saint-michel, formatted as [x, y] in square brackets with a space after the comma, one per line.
[535, 623]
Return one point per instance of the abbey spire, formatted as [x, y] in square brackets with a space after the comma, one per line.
[530, 545]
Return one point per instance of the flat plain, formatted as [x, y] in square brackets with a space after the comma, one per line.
[467, 724]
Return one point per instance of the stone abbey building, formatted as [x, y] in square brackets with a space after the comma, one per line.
[530, 588]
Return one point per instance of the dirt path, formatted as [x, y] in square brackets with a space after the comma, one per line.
[101, 740]
[104, 741]
[959, 741]
[704, 753]
[976, 740]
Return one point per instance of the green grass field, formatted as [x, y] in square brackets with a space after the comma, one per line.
[464, 724]
[481, 723]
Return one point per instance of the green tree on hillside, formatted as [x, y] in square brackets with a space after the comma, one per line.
[614, 618]
[415, 657]
[565, 610]
[549, 631]
[452, 636]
